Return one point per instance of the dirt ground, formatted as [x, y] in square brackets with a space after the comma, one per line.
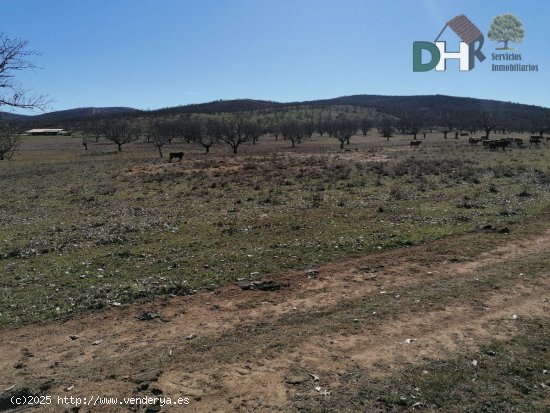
[245, 350]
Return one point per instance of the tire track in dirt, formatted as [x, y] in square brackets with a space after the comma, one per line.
[260, 382]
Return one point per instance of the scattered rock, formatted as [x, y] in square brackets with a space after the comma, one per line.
[69, 388]
[148, 315]
[26, 353]
[515, 317]
[147, 376]
[74, 337]
[474, 363]
[19, 365]
[314, 377]
[311, 272]
[156, 391]
[409, 341]
[490, 228]
[296, 378]
[97, 342]
[262, 286]
[190, 336]
[491, 353]
[143, 386]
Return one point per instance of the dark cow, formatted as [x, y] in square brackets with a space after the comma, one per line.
[474, 141]
[178, 155]
[518, 142]
[415, 143]
[502, 143]
[535, 140]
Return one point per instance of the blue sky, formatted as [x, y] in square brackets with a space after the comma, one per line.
[157, 53]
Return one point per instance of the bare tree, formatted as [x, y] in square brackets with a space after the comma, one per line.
[293, 131]
[120, 132]
[366, 125]
[488, 121]
[15, 57]
[321, 126]
[86, 140]
[539, 124]
[343, 129]
[156, 132]
[253, 131]
[412, 123]
[233, 130]
[211, 133]
[205, 133]
[8, 140]
[386, 128]
[308, 128]
[448, 125]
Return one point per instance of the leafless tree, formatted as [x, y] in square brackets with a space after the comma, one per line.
[343, 129]
[488, 121]
[14, 57]
[120, 132]
[321, 126]
[253, 130]
[293, 131]
[308, 128]
[414, 122]
[386, 128]
[539, 124]
[366, 125]
[8, 140]
[234, 130]
[158, 132]
[447, 125]
[204, 132]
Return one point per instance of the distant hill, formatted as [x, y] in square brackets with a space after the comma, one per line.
[435, 105]
[12, 116]
[393, 105]
[219, 106]
[78, 114]
[429, 103]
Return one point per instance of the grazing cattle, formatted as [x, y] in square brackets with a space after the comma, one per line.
[502, 143]
[518, 142]
[547, 139]
[415, 143]
[535, 140]
[485, 143]
[178, 155]
[474, 141]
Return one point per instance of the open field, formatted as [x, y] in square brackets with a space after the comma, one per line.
[421, 259]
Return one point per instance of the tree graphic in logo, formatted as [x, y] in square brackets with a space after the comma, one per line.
[506, 28]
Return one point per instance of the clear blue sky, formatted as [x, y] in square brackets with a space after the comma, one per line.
[159, 53]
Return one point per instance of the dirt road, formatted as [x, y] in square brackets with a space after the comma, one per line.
[248, 350]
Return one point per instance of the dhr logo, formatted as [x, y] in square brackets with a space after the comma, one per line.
[470, 48]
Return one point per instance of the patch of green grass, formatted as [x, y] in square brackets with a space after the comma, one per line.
[81, 232]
